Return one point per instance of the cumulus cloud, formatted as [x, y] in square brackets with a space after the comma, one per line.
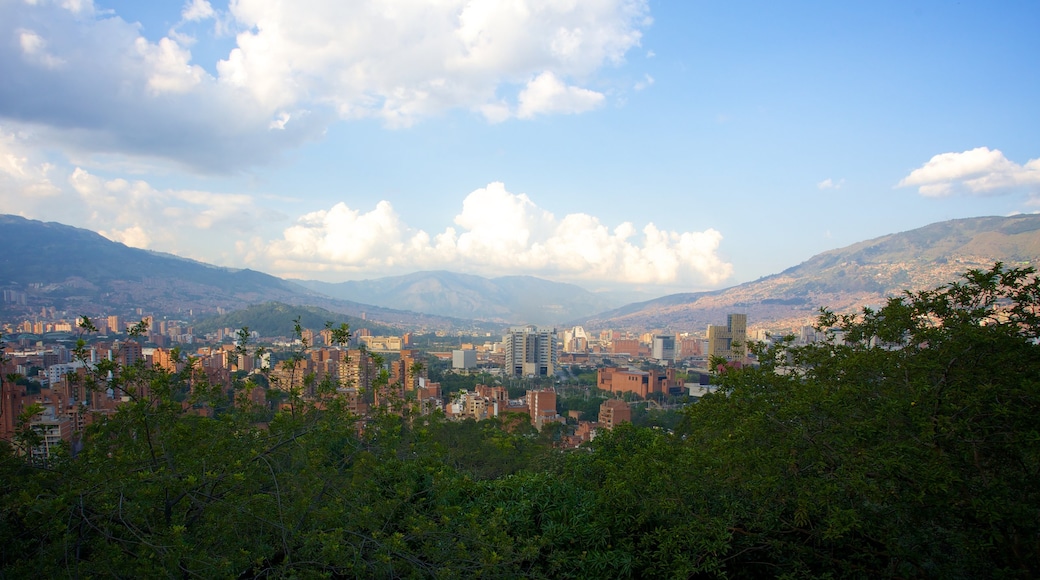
[297, 66]
[135, 213]
[498, 232]
[979, 171]
[197, 10]
[495, 232]
[23, 175]
[34, 49]
[547, 94]
[116, 92]
[168, 62]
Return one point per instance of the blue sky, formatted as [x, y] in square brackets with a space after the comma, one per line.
[655, 146]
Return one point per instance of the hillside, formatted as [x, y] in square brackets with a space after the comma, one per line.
[507, 300]
[845, 279]
[278, 319]
[82, 272]
[49, 264]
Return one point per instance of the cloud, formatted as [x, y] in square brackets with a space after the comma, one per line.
[168, 62]
[23, 175]
[646, 82]
[198, 10]
[135, 213]
[547, 94]
[34, 49]
[117, 93]
[497, 232]
[90, 81]
[979, 171]
[830, 184]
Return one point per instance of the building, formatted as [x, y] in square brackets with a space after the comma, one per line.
[575, 340]
[629, 346]
[542, 406]
[664, 348]
[51, 429]
[689, 346]
[639, 382]
[530, 350]
[463, 359]
[408, 369]
[614, 412]
[730, 341]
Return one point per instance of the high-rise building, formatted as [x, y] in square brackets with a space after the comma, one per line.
[664, 348]
[542, 407]
[463, 359]
[407, 370]
[730, 341]
[530, 350]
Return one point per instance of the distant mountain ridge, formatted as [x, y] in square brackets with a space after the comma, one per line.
[279, 319]
[80, 271]
[50, 264]
[508, 299]
[845, 279]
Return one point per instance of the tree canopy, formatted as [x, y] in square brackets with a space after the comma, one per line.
[907, 444]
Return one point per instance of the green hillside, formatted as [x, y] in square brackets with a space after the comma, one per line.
[278, 319]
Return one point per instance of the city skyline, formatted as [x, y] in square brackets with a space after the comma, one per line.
[622, 143]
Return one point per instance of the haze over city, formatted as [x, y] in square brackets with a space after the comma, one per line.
[655, 146]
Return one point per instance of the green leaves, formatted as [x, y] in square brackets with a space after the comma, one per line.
[909, 447]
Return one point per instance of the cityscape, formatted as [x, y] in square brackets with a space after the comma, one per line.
[549, 289]
[665, 371]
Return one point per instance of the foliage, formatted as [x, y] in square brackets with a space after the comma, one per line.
[905, 446]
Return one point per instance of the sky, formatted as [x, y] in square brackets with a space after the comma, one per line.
[616, 144]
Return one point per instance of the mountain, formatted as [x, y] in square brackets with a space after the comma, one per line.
[45, 264]
[81, 272]
[509, 299]
[278, 319]
[845, 279]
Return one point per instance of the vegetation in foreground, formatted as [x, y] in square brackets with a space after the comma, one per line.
[908, 448]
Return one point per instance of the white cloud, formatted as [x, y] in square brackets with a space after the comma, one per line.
[34, 49]
[197, 10]
[979, 171]
[498, 232]
[495, 232]
[135, 213]
[170, 71]
[119, 92]
[133, 236]
[400, 62]
[23, 176]
[547, 94]
[830, 184]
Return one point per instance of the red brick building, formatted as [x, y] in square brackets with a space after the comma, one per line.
[630, 380]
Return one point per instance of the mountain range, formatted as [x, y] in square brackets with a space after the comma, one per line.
[72, 269]
[508, 299]
[845, 279]
[75, 270]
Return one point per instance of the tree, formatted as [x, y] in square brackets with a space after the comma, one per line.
[906, 445]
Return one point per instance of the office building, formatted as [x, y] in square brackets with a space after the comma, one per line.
[664, 348]
[530, 350]
[730, 341]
